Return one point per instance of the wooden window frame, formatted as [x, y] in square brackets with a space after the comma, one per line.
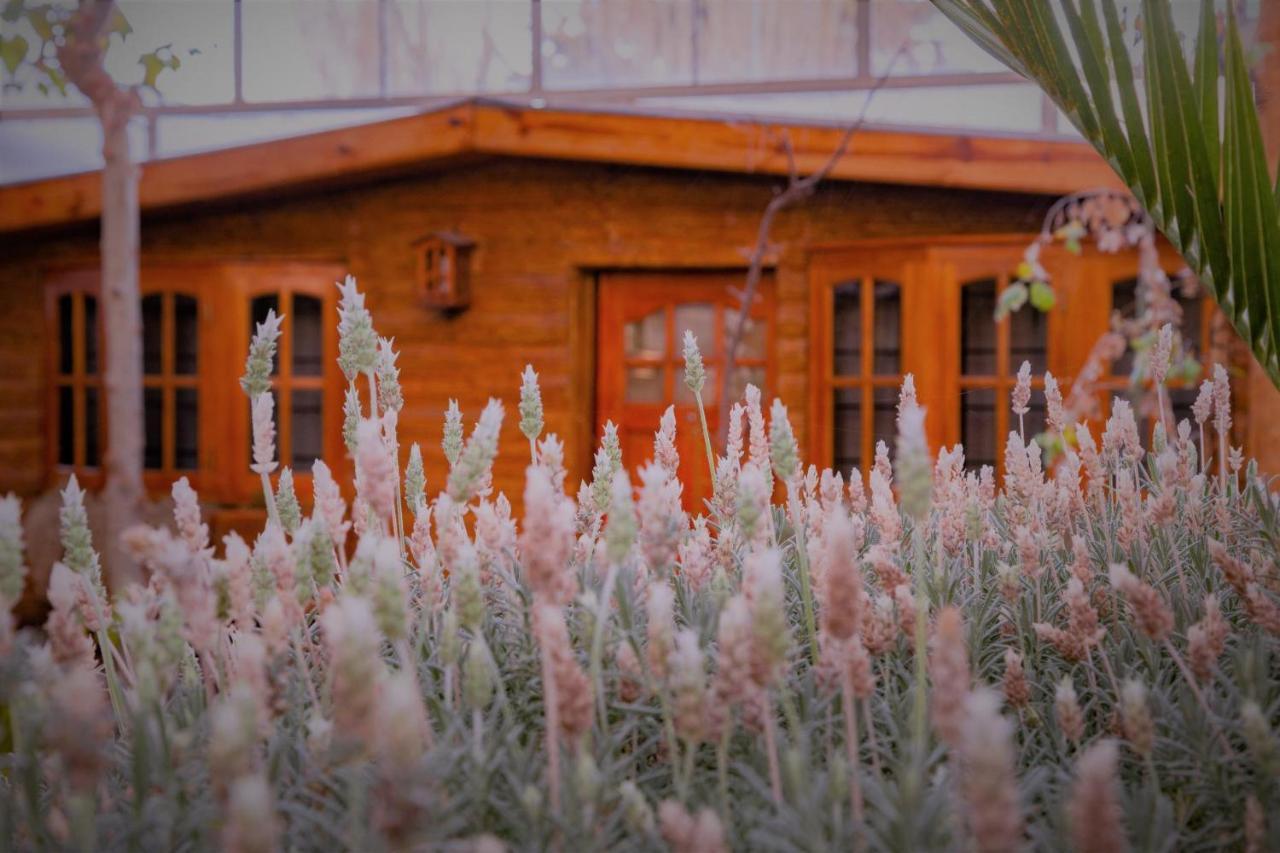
[932, 272]
[223, 291]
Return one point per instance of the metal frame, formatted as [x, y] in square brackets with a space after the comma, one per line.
[537, 94]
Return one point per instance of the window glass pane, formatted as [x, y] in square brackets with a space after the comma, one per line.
[66, 338]
[66, 426]
[978, 426]
[775, 39]
[153, 421]
[846, 429]
[846, 329]
[887, 334]
[1124, 300]
[644, 384]
[186, 341]
[588, 44]
[647, 337]
[930, 43]
[152, 334]
[1029, 340]
[1036, 420]
[258, 309]
[458, 47]
[755, 338]
[699, 318]
[978, 328]
[92, 420]
[308, 423]
[884, 402]
[90, 334]
[186, 429]
[312, 49]
[308, 336]
[744, 375]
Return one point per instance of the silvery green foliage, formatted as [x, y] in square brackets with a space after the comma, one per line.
[695, 375]
[287, 503]
[782, 444]
[415, 479]
[357, 341]
[352, 414]
[452, 441]
[471, 470]
[530, 404]
[77, 540]
[608, 461]
[262, 352]
[390, 397]
[13, 569]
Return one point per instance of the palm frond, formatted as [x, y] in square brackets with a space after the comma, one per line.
[1192, 156]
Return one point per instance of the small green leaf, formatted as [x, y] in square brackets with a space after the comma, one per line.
[40, 22]
[12, 52]
[1042, 296]
[1012, 298]
[120, 25]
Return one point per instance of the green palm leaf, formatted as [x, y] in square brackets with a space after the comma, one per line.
[1193, 157]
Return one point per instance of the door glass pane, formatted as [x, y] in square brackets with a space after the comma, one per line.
[887, 335]
[153, 424]
[885, 416]
[307, 428]
[755, 339]
[699, 318]
[1036, 420]
[185, 335]
[978, 426]
[846, 429]
[92, 444]
[90, 334]
[1029, 340]
[66, 426]
[647, 337]
[846, 329]
[66, 337]
[257, 313]
[978, 328]
[644, 384]
[1124, 300]
[186, 430]
[308, 336]
[152, 334]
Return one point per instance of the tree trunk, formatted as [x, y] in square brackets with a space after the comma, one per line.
[123, 493]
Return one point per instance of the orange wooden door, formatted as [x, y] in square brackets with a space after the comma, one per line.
[640, 369]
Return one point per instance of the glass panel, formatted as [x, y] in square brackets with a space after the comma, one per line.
[152, 334]
[186, 341]
[457, 47]
[153, 420]
[884, 402]
[775, 39]
[887, 335]
[257, 313]
[755, 339]
[699, 318]
[647, 337]
[1029, 340]
[846, 329]
[186, 429]
[1036, 420]
[846, 429]
[66, 426]
[597, 45]
[308, 336]
[644, 384]
[66, 337]
[1124, 299]
[978, 426]
[90, 334]
[92, 421]
[978, 328]
[308, 428]
[744, 374]
[930, 44]
[328, 48]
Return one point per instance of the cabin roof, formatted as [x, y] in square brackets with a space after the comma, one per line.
[476, 129]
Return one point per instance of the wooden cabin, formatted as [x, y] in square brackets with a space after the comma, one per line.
[488, 236]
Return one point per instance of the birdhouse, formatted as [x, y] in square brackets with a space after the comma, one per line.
[444, 270]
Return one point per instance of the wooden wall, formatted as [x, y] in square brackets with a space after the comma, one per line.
[541, 228]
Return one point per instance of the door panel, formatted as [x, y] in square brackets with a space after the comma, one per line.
[642, 318]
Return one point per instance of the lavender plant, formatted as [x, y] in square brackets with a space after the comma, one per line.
[1081, 658]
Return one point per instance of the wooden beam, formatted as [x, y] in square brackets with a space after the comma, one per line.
[1002, 164]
